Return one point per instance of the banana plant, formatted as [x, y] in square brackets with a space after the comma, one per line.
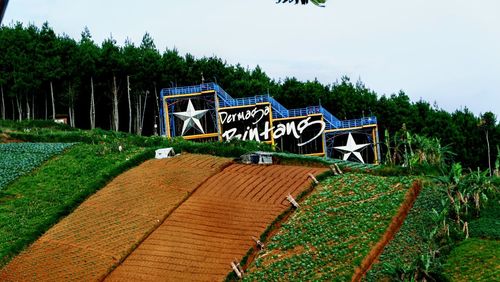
[319, 3]
[466, 192]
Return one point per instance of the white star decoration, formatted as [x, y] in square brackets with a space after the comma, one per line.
[351, 148]
[191, 118]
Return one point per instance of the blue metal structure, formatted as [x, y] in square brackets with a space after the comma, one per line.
[333, 124]
[279, 111]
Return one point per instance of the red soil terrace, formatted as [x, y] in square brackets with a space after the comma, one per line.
[215, 225]
[103, 230]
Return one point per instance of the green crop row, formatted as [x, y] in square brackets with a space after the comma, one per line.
[334, 229]
[402, 254]
[17, 159]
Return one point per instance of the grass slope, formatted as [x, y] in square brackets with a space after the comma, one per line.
[34, 202]
[474, 260]
[335, 228]
[487, 226]
[478, 258]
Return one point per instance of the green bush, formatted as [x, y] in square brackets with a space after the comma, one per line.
[33, 125]
[233, 148]
[487, 226]
[294, 159]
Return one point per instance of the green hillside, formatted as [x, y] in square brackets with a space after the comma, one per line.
[337, 232]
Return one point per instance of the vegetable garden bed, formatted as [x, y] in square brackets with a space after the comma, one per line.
[335, 228]
[405, 250]
[17, 159]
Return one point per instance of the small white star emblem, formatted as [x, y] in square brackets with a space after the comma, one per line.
[351, 148]
[191, 118]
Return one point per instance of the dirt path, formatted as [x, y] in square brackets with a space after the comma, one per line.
[215, 225]
[104, 229]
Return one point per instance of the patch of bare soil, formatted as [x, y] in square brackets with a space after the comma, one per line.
[4, 138]
[102, 231]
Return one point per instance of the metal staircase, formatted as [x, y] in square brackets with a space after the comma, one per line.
[279, 111]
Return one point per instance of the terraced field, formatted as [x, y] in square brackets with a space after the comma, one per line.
[188, 217]
[99, 234]
[215, 225]
[339, 230]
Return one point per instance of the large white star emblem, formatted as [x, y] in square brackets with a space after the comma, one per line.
[351, 148]
[191, 118]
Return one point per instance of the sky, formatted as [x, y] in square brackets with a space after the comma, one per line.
[445, 52]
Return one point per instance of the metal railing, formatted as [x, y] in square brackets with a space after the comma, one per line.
[358, 122]
[191, 89]
[279, 111]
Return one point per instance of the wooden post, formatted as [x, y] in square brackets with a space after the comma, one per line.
[313, 178]
[338, 169]
[258, 242]
[333, 169]
[292, 201]
[236, 270]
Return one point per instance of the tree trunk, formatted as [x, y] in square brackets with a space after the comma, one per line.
[19, 108]
[3, 103]
[53, 103]
[70, 113]
[157, 113]
[71, 106]
[143, 112]
[70, 117]
[92, 104]
[137, 114]
[13, 109]
[489, 158]
[46, 114]
[28, 110]
[115, 104]
[73, 114]
[33, 106]
[129, 106]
